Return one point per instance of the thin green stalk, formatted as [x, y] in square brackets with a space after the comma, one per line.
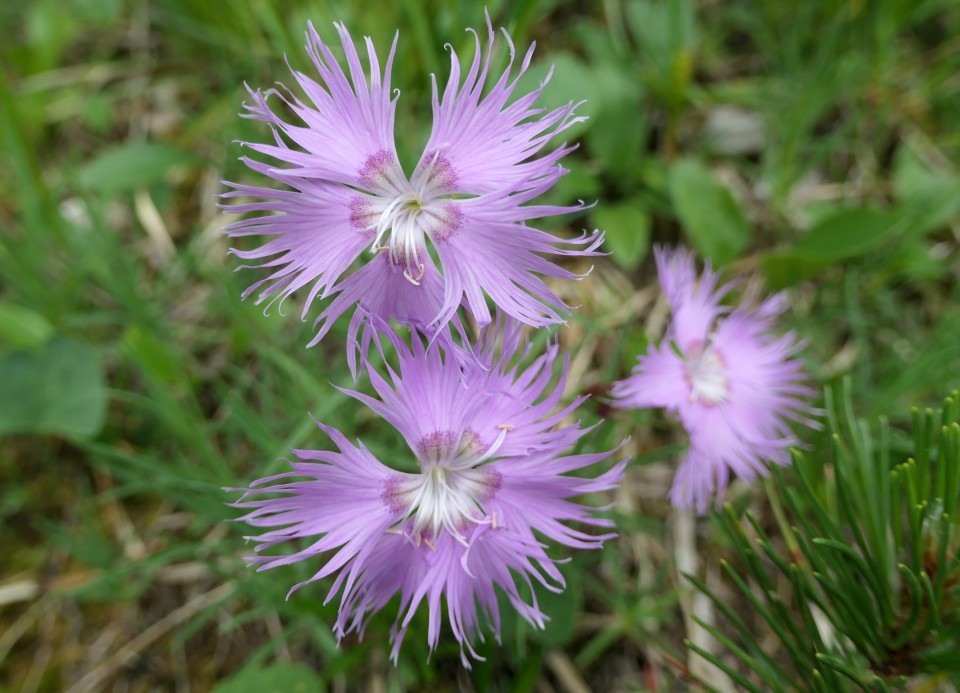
[851, 619]
[722, 666]
[779, 515]
[878, 588]
[896, 516]
[932, 620]
[841, 668]
[906, 630]
[766, 669]
[731, 615]
[775, 624]
[950, 461]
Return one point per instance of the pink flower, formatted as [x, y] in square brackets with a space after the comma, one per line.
[344, 199]
[733, 383]
[485, 482]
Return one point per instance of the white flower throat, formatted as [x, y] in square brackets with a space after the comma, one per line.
[402, 213]
[707, 374]
[449, 492]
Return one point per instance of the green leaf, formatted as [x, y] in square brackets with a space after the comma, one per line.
[275, 678]
[627, 227]
[664, 30]
[49, 31]
[929, 198]
[153, 355]
[22, 327]
[100, 12]
[666, 34]
[783, 269]
[847, 233]
[572, 80]
[529, 674]
[618, 132]
[710, 214]
[131, 165]
[57, 388]
[563, 609]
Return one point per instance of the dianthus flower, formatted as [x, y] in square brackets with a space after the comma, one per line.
[488, 483]
[732, 382]
[343, 198]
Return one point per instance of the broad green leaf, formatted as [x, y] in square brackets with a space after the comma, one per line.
[275, 678]
[709, 213]
[618, 132]
[57, 388]
[100, 12]
[783, 269]
[930, 199]
[131, 165]
[528, 673]
[627, 227]
[563, 610]
[847, 233]
[22, 327]
[49, 31]
[665, 30]
[666, 34]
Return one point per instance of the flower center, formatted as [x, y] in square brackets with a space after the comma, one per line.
[403, 218]
[403, 213]
[706, 373]
[451, 488]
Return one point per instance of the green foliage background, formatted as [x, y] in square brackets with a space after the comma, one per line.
[811, 145]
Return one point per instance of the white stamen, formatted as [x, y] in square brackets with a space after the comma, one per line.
[415, 280]
[408, 212]
[448, 493]
[496, 445]
[403, 213]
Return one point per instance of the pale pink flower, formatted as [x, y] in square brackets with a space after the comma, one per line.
[349, 227]
[462, 514]
[731, 380]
